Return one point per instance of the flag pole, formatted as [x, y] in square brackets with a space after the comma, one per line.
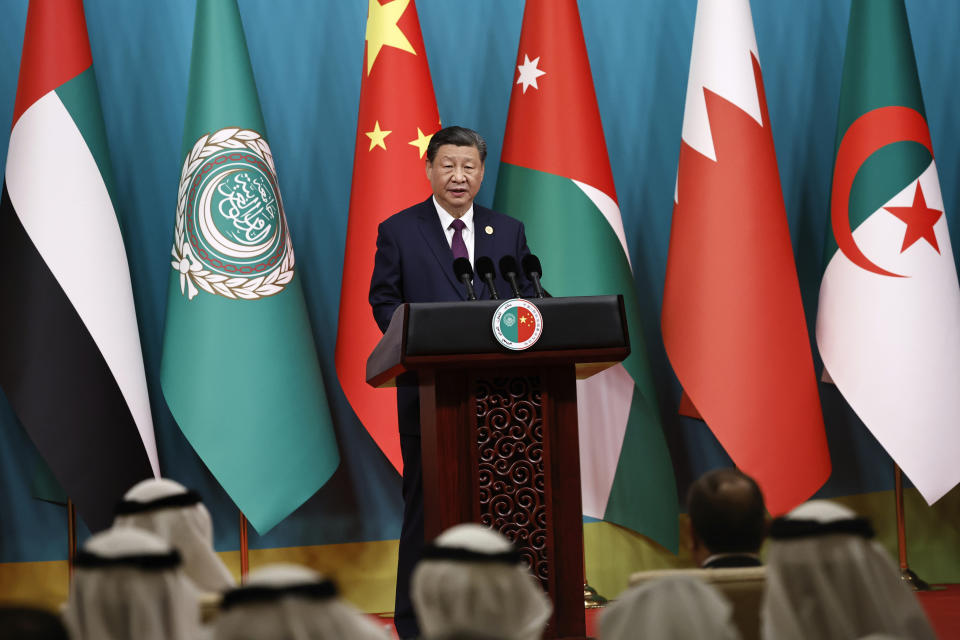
[591, 599]
[906, 573]
[71, 540]
[244, 550]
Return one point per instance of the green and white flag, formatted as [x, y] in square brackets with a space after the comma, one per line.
[555, 176]
[240, 370]
[888, 324]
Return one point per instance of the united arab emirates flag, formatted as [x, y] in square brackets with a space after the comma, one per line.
[733, 322]
[396, 117]
[240, 370]
[555, 176]
[70, 358]
[888, 324]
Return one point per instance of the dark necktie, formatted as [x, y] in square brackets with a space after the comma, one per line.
[458, 246]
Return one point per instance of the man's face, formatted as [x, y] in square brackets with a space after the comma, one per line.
[455, 175]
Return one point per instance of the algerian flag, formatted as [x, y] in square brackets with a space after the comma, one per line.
[888, 324]
[240, 369]
[555, 176]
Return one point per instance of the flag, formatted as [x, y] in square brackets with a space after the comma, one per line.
[888, 322]
[555, 176]
[733, 323]
[397, 117]
[70, 358]
[240, 370]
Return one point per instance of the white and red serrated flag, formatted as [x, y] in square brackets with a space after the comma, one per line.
[397, 116]
[70, 358]
[733, 321]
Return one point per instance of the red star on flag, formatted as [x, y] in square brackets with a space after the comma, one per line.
[919, 219]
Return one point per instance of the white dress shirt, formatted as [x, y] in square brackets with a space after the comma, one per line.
[446, 219]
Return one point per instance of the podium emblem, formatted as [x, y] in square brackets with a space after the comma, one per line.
[517, 324]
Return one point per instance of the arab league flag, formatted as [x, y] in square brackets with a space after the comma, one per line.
[240, 370]
[888, 324]
[397, 116]
[70, 358]
[555, 176]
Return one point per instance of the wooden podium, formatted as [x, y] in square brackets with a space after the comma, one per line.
[499, 427]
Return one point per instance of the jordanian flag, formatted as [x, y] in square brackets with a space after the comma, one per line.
[555, 176]
[240, 370]
[888, 324]
[70, 358]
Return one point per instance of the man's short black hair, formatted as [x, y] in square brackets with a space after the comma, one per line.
[727, 512]
[458, 136]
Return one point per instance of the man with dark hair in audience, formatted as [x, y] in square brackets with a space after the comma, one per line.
[728, 519]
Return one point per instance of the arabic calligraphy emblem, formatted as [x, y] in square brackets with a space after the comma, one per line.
[231, 237]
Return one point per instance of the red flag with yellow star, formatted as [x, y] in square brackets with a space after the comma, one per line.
[398, 114]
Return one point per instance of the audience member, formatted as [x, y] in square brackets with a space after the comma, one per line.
[670, 608]
[290, 602]
[472, 583]
[27, 623]
[728, 519]
[827, 579]
[168, 509]
[128, 584]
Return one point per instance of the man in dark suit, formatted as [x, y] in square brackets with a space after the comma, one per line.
[728, 520]
[414, 263]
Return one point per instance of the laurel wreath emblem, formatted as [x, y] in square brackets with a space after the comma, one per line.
[192, 271]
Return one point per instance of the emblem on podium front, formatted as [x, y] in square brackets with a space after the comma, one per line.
[517, 324]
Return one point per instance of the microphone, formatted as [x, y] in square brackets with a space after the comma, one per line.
[485, 271]
[464, 273]
[531, 267]
[509, 269]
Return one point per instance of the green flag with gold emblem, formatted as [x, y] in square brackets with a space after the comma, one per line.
[240, 370]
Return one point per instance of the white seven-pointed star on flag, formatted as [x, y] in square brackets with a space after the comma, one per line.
[529, 72]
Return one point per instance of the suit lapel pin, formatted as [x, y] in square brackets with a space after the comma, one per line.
[489, 230]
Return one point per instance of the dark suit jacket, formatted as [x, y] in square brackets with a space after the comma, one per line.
[414, 263]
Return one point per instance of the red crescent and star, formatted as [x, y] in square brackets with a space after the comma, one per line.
[919, 219]
[869, 133]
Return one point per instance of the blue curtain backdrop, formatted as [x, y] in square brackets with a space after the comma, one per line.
[307, 57]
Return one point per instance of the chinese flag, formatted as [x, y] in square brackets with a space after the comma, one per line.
[397, 116]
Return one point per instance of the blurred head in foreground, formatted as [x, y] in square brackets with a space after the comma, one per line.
[128, 584]
[827, 578]
[168, 509]
[27, 623]
[670, 608]
[471, 583]
[290, 602]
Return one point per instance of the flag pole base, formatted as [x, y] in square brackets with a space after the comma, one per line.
[592, 599]
[906, 573]
[916, 582]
